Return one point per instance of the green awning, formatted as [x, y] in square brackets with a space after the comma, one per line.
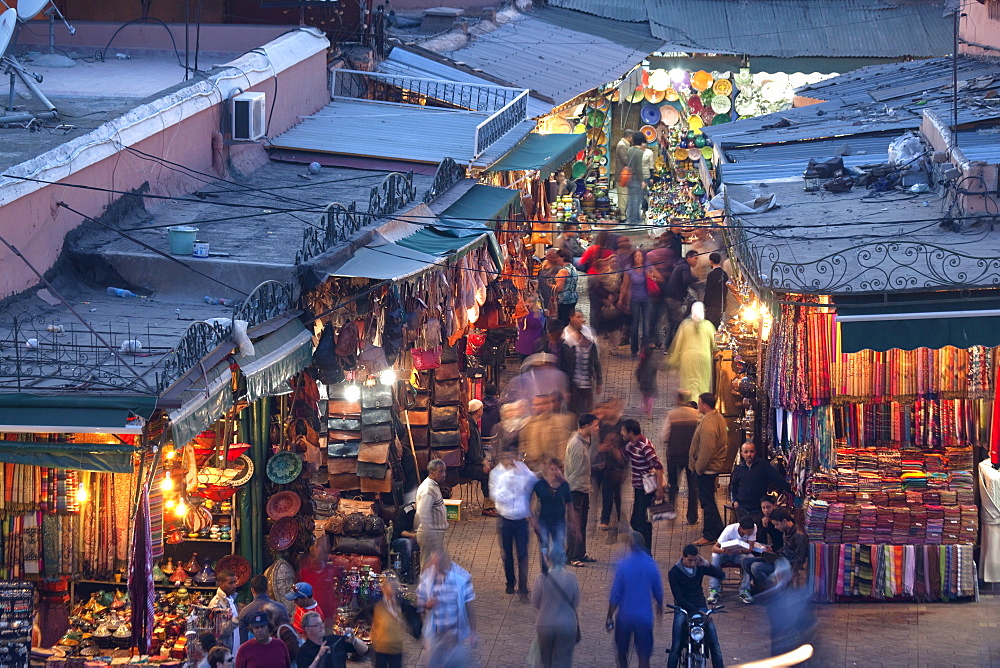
[934, 323]
[103, 458]
[65, 414]
[482, 203]
[277, 357]
[546, 153]
[204, 403]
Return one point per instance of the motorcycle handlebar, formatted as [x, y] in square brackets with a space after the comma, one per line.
[711, 611]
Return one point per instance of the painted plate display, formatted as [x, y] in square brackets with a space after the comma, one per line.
[579, 169]
[653, 96]
[694, 104]
[284, 504]
[671, 95]
[637, 95]
[669, 116]
[745, 105]
[695, 123]
[721, 104]
[595, 119]
[743, 78]
[284, 467]
[238, 565]
[707, 115]
[650, 114]
[579, 129]
[706, 96]
[283, 534]
[720, 119]
[680, 153]
[722, 87]
[649, 132]
[773, 91]
[701, 80]
[596, 136]
[244, 471]
[707, 152]
[694, 154]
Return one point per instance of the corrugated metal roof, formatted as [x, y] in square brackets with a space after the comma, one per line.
[554, 61]
[396, 132]
[403, 62]
[883, 98]
[619, 10]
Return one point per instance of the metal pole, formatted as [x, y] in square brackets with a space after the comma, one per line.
[954, 77]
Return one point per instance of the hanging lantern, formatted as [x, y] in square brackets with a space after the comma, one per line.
[810, 180]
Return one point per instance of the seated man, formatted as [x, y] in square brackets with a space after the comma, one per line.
[794, 550]
[746, 531]
[685, 579]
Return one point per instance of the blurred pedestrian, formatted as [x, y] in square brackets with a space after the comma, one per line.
[578, 478]
[637, 587]
[610, 462]
[539, 375]
[605, 314]
[508, 430]
[565, 286]
[391, 618]
[530, 328]
[716, 290]
[513, 483]
[678, 430]
[581, 364]
[556, 514]
[636, 180]
[556, 595]
[680, 281]
[491, 410]
[546, 433]
[645, 376]
[446, 596]
[692, 350]
[219, 656]
[647, 478]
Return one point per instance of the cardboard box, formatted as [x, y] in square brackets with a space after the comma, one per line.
[454, 509]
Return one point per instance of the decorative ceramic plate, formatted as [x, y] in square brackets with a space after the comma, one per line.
[238, 565]
[720, 119]
[695, 104]
[636, 95]
[283, 534]
[721, 104]
[284, 467]
[283, 504]
[722, 87]
[649, 132]
[244, 467]
[669, 116]
[653, 96]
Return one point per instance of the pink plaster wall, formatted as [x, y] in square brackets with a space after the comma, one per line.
[37, 226]
[939, 136]
[977, 26]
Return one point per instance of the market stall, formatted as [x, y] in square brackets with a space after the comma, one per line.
[882, 444]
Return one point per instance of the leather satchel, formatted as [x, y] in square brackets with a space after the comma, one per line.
[449, 371]
[335, 524]
[343, 448]
[421, 437]
[376, 432]
[342, 407]
[368, 545]
[376, 486]
[340, 435]
[354, 524]
[418, 418]
[447, 393]
[446, 439]
[421, 399]
[372, 470]
[375, 416]
[376, 396]
[337, 465]
[344, 424]
[452, 457]
[444, 418]
[376, 453]
[423, 457]
[344, 482]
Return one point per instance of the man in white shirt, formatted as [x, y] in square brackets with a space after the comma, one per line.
[746, 531]
[511, 482]
[431, 519]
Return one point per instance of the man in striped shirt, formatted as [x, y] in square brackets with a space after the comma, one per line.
[642, 457]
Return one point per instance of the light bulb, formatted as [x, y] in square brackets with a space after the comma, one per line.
[168, 482]
[352, 393]
[387, 377]
[751, 313]
[169, 503]
[82, 495]
[181, 509]
[170, 454]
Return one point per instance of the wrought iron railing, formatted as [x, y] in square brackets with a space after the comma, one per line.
[340, 222]
[501, 122]
[395, 192]
[873, 267]
[413, 90]
[268, 300]
[448, 174]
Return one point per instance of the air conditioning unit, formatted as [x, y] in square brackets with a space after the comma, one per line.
[248, 112]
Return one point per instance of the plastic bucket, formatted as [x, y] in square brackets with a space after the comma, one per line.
[200, 249]
[182, 239]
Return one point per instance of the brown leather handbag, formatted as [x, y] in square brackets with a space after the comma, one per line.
[452, 457]
[376, 432]
[376, 453]
[372, 470]
[337, 465]
[446, 439]
[444, 418]
[371, 416]
[421, 437]
[376, 486]
[418, 418]
[344, 481]
[447, 393]
[449, 371]
[342, 407]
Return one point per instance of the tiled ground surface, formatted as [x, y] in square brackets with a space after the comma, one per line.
[896, 634]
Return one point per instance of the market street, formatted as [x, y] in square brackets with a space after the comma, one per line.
[868, 634]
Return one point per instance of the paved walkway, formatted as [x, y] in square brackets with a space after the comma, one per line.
[860, 634]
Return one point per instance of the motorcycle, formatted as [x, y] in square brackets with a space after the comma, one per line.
[694, 653]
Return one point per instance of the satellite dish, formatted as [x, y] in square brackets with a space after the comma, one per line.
[8, 20]
[29, 9]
